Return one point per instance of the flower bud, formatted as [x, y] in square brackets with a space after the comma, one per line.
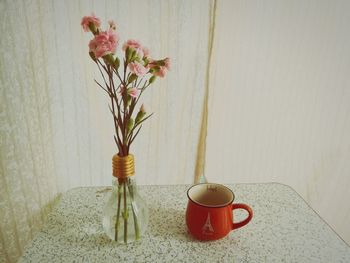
[142, 108]
[116, 63]
[133, 55]
[93, 28]
[109, 59]
[132, 78]
[152, 79]
[160, 63]
[140, 115]
[137, 59]
[133, 92]
[128, 53]
[145, 59]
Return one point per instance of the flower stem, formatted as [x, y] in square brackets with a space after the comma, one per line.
[118, 214]
[136, 223]
[125, 215]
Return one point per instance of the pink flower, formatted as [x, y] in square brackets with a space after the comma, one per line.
[158, 70]
[134, 44]
[161, 72]
[137, 69]
[151, 63]
[167, 63]
[86, 20]
[104, 43]
[133, 92]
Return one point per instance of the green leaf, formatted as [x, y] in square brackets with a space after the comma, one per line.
[128, 101]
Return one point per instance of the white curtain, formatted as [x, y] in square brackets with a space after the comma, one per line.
[278, 102]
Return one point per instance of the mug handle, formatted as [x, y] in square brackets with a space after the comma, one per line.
[245, 221]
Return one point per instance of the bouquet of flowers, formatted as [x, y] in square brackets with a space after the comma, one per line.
[124, 81]
[137, 72]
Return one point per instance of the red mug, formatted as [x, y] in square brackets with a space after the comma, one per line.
[209, 213]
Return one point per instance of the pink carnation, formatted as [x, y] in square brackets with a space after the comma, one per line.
[161, 72]
[151, 63]
[133, 92]
[134, 44]
[104, 43]
[86, 20]
[137, 69]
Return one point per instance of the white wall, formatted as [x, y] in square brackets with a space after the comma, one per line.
[279, 102]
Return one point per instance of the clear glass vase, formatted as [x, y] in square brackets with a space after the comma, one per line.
[125, 216]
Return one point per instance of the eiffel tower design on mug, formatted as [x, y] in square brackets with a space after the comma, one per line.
[207, 228]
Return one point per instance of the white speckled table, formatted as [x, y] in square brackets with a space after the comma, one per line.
[284, 229]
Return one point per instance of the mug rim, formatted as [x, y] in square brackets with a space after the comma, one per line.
[211, 206]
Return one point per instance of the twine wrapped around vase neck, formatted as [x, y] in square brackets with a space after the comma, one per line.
[123, 166]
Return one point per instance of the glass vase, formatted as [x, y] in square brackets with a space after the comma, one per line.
[125, 216]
